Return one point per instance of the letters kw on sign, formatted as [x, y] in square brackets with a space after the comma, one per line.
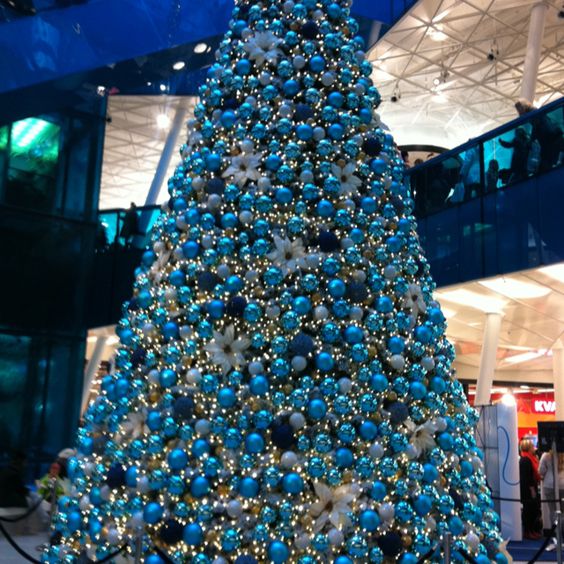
[545, 406]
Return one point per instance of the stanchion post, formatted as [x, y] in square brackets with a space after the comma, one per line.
[446, 546]
[138, 546]
[557, 502]
[558, 533]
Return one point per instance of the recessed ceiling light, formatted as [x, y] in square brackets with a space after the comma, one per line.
[555, 271]
[472, 300]
[163, 121]
[200, 48]
[162, 87]
[525, 357]
[179, 65]
[516, 289]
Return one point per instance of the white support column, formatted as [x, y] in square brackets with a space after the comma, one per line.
[168, 151]
[558, 375]
[534, 51]
[90, 370]
[488, 358]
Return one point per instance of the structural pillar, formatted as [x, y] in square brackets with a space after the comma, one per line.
[558, 375]
[168, 151]
[91, 369]
[488, 358]
[534, 50]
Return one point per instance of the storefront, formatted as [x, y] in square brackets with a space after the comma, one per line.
[532, 406]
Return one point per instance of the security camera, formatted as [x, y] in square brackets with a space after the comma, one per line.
[394, 98]
[561, 13]
[492, 56]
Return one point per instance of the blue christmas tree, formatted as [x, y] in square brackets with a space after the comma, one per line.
[283, 389]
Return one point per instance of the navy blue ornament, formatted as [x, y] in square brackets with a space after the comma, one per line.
[282, 436]
[171, 532]
[207, 280]
[138, 357]
[183, 407]
[372, 146]
[328, 241]
[398, 412]
[236, 306]
[302, 345]
[116, 476]
[245, 559]
[357, 292]
[303, 112]
[390, 543]
[310, 30]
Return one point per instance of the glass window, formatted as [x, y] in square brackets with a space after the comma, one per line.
[33, 161]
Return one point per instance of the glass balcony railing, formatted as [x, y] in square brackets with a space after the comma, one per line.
[524, 148]
[119, 228]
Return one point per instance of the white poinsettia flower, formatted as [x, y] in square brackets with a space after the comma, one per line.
[349, 182]
[422, 436]
[243, 168]
[413, 299]
[288, 255]
[134, 426]
[226, 350]
[263, 46]
[333, 505]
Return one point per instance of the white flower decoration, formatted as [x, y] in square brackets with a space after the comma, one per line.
[288, 255]
[333, 505]
[349, 182]
[263, 46]
[422, 436]
[413, 300]
[134, 425]
[226, 350]
[243, 168]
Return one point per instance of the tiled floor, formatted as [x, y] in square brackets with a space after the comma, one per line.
[27, 543]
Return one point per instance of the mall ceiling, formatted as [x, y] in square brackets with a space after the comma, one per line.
[456, 66]
[446, 40]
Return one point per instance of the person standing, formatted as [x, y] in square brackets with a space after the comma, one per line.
[530, 478]
[130, 226]
[546, 471]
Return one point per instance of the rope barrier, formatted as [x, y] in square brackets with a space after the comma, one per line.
[23, 515]
[519, 501]
[427, 555]
[13, 544]
[166, 558]
[466, 556]
[542, 546]
[30, 558]
[112, 555]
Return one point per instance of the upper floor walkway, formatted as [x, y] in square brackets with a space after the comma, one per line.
[489, 207]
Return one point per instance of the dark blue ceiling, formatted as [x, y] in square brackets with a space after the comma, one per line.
[68, 48]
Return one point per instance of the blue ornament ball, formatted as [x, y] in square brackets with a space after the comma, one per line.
[282, 436]
[293, 483]
[278, 552]
[152, 512]
[390, 543]
[199, 487]
[193, 534]
[116, 476]
[177, 459]
[154, 559]
[183, 407]
[246, 559]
